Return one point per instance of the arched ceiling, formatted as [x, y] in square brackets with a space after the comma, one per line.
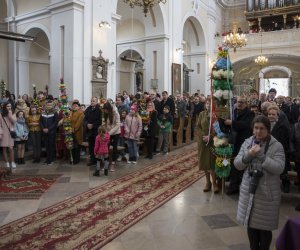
[193, 36]
[231, 3]
[154, 17]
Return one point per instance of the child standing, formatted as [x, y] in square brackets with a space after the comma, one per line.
[35, 133]
[22, 132]
[165, 124]
[101, 150]
[122, 134]
[133, 129]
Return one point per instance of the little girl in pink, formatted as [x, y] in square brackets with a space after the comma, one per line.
[101, 150]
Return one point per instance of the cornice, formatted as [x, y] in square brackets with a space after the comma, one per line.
[230, 3]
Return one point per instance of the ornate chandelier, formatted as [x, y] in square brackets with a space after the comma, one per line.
[234, 39]
[261, 60]
[145, 4]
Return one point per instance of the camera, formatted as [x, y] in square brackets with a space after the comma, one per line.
[255, 175]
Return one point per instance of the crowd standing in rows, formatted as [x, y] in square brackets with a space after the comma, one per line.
[264, 130]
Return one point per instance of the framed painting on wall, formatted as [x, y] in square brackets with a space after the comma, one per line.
[176, 78]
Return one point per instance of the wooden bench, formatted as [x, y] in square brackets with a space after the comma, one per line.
[187, 129]
[177, 133]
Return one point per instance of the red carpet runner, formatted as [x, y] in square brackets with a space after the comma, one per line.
[92, 219]
[25, 186]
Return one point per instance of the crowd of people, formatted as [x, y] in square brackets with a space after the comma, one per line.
[117, 125]
[264, 131]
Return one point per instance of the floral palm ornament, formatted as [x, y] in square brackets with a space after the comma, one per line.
[221, 90]
[66, 117]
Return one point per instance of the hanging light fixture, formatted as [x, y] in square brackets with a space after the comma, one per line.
[234, 39]
[145, 4]
[261, 60]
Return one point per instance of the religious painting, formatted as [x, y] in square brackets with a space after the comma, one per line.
[176, 78]
[139, 81]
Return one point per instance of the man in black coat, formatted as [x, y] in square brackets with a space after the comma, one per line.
[92, 120]
[241, 130]
[166, 101]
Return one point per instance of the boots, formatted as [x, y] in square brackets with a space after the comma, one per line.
[106, 168]
[207, 187]
[214, 182]
[96, 173]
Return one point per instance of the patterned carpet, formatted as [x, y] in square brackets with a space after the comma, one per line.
[93, 218]
[25, 186]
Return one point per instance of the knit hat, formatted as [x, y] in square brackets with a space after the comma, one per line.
[76, 102]
[134, 108]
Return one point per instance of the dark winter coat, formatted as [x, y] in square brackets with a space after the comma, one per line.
[169, 102]
[92, 115]
[49, 120]
[265, 211]
[282, 134]
[241, 127]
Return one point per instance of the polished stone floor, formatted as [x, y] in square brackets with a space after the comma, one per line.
[192, 220]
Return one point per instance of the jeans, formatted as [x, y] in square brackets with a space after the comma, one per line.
[132, 149]
[122, 144]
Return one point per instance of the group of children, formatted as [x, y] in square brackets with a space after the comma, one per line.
[131, 130]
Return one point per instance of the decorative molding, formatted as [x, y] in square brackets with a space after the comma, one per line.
[33, 60]
[145, 39]
[231, 3]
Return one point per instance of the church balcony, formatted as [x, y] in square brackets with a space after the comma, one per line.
[284, 42]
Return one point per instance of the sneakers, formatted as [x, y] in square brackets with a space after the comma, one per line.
[129, 162]
[50, 163]
[7, 165]
[166, 153]
[119, 158]
[13, 165]
[156, 152]
[133, 162]
[112, 167]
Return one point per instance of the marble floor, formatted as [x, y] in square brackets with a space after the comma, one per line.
[192, 220]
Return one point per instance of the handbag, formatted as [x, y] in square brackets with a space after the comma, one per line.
[13, 134]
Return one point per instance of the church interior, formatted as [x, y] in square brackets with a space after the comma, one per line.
[101, 48]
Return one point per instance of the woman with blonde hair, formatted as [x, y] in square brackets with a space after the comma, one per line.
[282, 134]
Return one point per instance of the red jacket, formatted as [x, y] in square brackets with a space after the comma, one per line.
[101, 144]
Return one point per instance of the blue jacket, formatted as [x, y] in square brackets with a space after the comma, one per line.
[21, 130]
[49, 121]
